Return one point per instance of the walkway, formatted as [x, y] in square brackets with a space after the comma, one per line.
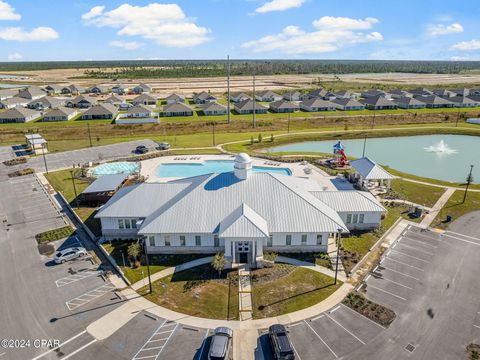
[245, 307]
[430, 217]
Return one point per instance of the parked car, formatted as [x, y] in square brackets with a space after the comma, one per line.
[69, 254]
[281, 345]
[141, 149]
[163, 146]
[221, 344]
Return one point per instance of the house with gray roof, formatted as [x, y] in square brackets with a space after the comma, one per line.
[378, 103]
[139, 111]
[46, 102]
[73, 90]
[267, 96]
[7, 93]
[348, 104]
[13, 102]
[435, 102]
[292, 95]
[142, 89]
[53, 89]
[177, 109]
[81, 102]
[213, 108]
[320, 94]
[317, 104]
[98, 89]
[399, 93]
[247, 106]
[119, 89]
[239, 96]
[145, 99]
[409, 103]
[248, 213]
[375, 93]
[203, 97]
[18, 115]
[345, 94]
[465, 101]
[103, 188]
[463, 92]
[421, 92]
[283, 106]
[60, 114]
[114, 100]
[174, 99]
[32, 93]
[100, 112]
[444, 93]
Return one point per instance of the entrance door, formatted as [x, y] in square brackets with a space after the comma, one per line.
[243, 249]
[243, 258]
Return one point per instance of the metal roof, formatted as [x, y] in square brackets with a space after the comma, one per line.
[283, 104]
[101, 109]
[105, 183]
[350, 201]
[19, 112]
[177, 107]
[370, 170]
[378, 101]
[60, 111]
[317, 103]
[243, 222]
[247, 104]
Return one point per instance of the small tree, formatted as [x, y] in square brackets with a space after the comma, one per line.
[271, 138]
[134, 251]
[252, 140]
[219, 262]
[260, 138]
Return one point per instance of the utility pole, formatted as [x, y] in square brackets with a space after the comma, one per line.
[148, 264]
[228, 89]
[44, 158]
[32, 142]
[254, 100]
[338, 253]
[89, 134]
[364, 145]
[469, 180]
[213, 133]
[74, 188]
[288, 124]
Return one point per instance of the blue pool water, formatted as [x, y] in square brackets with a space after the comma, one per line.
[122, 167]
[208, 167]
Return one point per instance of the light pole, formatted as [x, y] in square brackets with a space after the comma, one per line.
[148, 263]
[338, 253]
[364, 145]
[254, 101]
[44, 158]
[213, 133]
[228, 88]
[74, 188]
[469, 180]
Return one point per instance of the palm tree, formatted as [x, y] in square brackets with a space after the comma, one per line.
[133, 251]
[219, 262]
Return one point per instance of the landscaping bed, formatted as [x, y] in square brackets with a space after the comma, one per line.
[473, 351]
[54, 235]
[16, 161]
[375, 312]
[291, 289]
[22, 172]
[318, 258]
[200, 291]
[421, 194]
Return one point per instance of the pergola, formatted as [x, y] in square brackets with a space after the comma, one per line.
[369, 174]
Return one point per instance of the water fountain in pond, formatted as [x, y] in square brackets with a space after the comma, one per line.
[441, 148]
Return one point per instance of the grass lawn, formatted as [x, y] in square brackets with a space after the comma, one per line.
[200, 291]
[456, 208]
[417, 193]
[297, 290]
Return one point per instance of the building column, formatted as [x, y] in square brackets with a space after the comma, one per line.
[228, 248]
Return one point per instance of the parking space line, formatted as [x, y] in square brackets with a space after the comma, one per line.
[363, 316]
[91, 295]
[467, 236]
[311, 328]
[400, 262]
[296, 324]
[398, 272]
[332, 311]
[157, 332]
[76, 277]
[417, 249]
[344, 328]
[317, 317]
[61, 344]
[467, 241]
[394, 282]
[477, 326]
[410, 256]
[79, 349]
[386, 292]
[419, 242]
[296, 352]
[203, 344]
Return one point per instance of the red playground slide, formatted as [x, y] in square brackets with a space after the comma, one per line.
[343, 161]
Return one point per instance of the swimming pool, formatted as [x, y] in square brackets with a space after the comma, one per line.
[122, 167]
[208, 167]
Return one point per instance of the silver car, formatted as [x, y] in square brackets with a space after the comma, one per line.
[220, 347]
[69, 254]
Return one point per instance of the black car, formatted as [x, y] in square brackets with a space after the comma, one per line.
[281, 345]
[141, 149]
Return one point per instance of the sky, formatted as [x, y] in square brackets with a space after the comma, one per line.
[59, 30]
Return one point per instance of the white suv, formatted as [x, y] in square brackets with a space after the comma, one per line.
[69, 254]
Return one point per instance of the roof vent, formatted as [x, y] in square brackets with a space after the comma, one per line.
[242, 166]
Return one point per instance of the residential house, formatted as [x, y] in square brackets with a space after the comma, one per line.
[239, 96]
[317, 104]
[378, 103]
[81, 102]
[320, 94]
[73, 90]
[398, 93]
[98, 89]
[348, 104]
[345, 94]
[18, 115]
[119, 89]
[60, 114]
[145, 99]
[409, 103]
[444, 93]
[463, 92]
[7, 93]
[203, 97]
[32, 93]
[421, 92]
[114, 100]
[142, 89]
[100, 112]
[292, 95]
[267, 96]
[214, 108]
[465, 101]
[435, 102]
[174, 99]
[283, 106]
[177, 109]
[375, 93]
[46, 102]
[13, 102]
[247, 107]
[139, 111]
[53, 89]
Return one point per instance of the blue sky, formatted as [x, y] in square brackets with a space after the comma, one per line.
[245, 29]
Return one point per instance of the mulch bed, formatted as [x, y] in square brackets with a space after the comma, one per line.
[473, 351]
[16, 161]
[378, 313]
[260, 276]
[22, 172]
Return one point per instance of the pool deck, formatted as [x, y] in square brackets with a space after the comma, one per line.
[149, 168]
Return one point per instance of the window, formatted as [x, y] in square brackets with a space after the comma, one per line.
[151, 240]
[288, 240]
[304, 239]
[355, 218]
[182, 240]
[270, 241]
[198, 240]
[349, 218]
[167, 240]
[319, 239]
[361, 218]
[127, 224]
[121, 225]
[216, 241]
[134, 223]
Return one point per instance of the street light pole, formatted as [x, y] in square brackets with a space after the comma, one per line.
[228, 88]
[213, 133]
[74, 188]
[338, 253]
[44, 158]
[469, 180]
[148, 264]
[364, 145]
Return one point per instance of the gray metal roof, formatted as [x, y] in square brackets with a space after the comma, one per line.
[317, 103]
[378, 101]
[406, 100]
[243, 222]
[347, 102]
[214, 106]
[31, 92]
[177, 107]
[247, 104]
[370, 170]
[206, 204]
[350, 201]
[105, 183]
[434, 99]
[101, 109]
[60, 111]
[283, 104]
[18, 112]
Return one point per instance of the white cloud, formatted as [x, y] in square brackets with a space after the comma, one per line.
[442, 29]
[165, 24]
[279, 5]
[464, 58]
[467, 45]
[344, 23]
[15, 56]
[7, 12]
[94, 12]
[36, 34]
[332, 34]
[126, 45]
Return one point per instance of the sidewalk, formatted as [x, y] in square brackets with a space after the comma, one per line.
[430, 217]
[245, 308]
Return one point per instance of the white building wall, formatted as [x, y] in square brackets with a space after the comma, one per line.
[372, 220]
